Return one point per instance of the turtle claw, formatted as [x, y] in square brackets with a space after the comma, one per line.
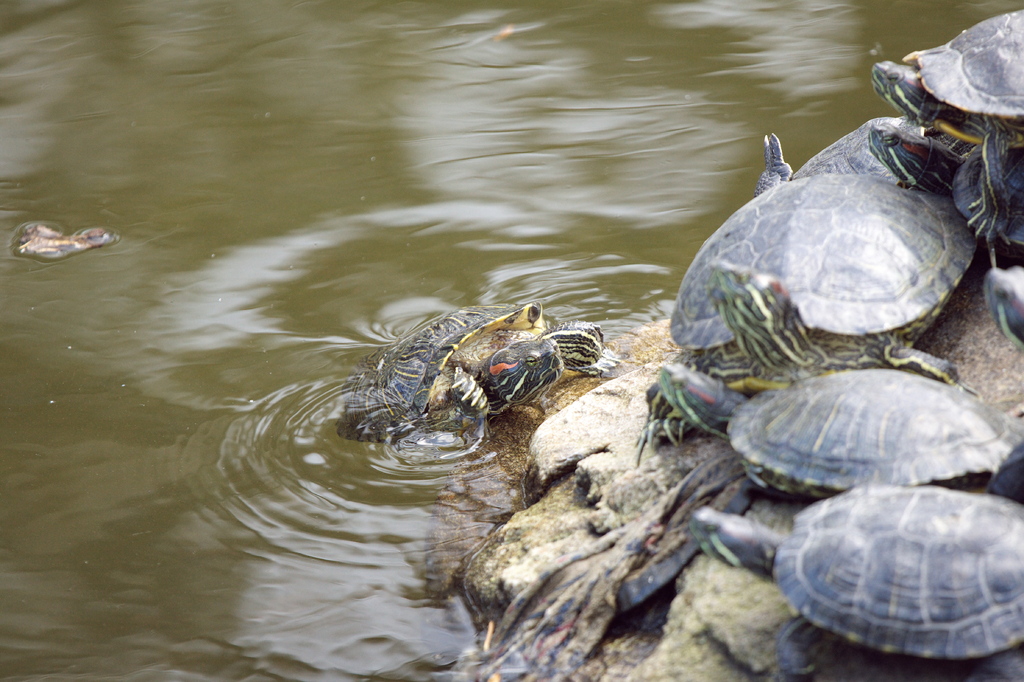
[469, 392]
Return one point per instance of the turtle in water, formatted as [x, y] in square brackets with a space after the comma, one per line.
[41, 240]
[451, 373]
[849, 155]
[820, 274]
[826, 434]
[972, 88]
[924, 571]
[926, 163]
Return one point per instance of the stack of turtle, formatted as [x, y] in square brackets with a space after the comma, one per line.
[973, 89]
[825, 274]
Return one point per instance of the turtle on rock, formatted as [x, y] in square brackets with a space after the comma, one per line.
[849, 155]
[972, 88]
[821, 274]
[925, 162]
[451, 373]
[924, 571]
[826, 434]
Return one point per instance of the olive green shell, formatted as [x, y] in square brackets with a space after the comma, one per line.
[924, 571]
[981, 70]
[829, 433]
[392, 386]
[857, 254]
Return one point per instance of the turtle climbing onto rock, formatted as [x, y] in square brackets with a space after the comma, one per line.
[924, 571]
[451, 373]
[826, 434]
[820, 274]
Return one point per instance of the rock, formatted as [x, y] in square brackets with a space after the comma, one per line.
[723, 621]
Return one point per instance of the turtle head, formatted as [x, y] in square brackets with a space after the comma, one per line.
[900, 85]
[520, 372]
[530, 316]
[684, 398]
[698, 399]
[735, 540]
[1004, 294]
[915, 160]
[758, 310]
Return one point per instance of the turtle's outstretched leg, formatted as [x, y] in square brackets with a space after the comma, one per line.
[776, 170]
[581, 345]
[927, 365]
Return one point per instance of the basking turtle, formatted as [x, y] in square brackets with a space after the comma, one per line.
[823, 273]
[976, 85]
[849, 155]
[925, 571]
[41, 240]
[928, 164]
[452, 372]
[1004, 294]
[829, 433]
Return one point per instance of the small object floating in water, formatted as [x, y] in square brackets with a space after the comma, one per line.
[40, 240]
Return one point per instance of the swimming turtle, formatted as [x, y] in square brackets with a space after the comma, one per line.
[927, 163]
[849, 155]
[976, 88]
[451, 373]
[43, 240]
[820, 274]
[923, 571]
[826, 434]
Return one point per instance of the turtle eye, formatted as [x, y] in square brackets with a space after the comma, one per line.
[532, 360]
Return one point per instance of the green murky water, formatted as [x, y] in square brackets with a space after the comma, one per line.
[294, 183]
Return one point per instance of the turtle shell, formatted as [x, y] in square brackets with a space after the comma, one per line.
[850, 154]
[981, 70]
[829, 433]
[858, 255]
[393, 385]
[926, 571]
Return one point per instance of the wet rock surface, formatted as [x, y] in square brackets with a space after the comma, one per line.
[578, 472]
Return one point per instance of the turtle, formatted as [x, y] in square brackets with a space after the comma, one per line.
[923, 162]
[826, 434]
[849, 155]
[41, 240]
[823, 273]
[923, 571]
[977, 81]
[454, 371]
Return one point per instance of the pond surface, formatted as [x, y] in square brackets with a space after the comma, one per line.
[295, 183]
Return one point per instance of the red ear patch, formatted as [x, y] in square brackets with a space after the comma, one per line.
[778, 288]
[703, 395]
[501, 367]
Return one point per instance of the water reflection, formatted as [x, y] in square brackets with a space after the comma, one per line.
[801, 48]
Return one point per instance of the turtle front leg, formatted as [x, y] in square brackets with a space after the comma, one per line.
[467, 414]
[927, 365]
[795, 648]
[990, 212]
[581, 345]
